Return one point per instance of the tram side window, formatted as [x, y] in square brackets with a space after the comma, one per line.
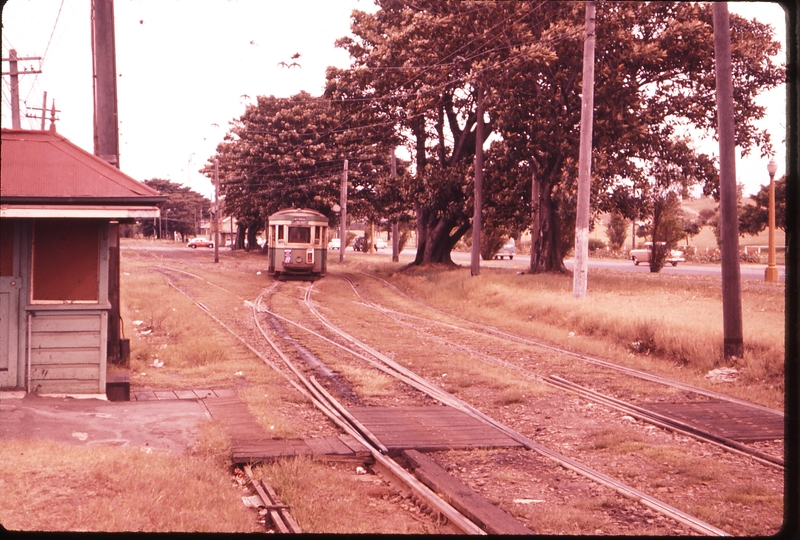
[280, 232]
[317, 235]
[300, 235]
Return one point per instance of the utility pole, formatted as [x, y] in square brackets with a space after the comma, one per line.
[343, 224]
[14, 73]
[395, 226]
[729, 218]
[536, 216]
[43, 109]
[475, 267]
[104, 70]
[216, 210]
[53, 112]
[579, 275]
[106, 145]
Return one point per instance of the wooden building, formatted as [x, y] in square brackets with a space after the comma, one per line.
[60, 210]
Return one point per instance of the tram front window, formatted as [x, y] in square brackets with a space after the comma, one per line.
[299, 235]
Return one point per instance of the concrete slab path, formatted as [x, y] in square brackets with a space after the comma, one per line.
[168, 425]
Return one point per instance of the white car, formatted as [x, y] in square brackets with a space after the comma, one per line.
[335, 243]
[380, 243]
[508, 250]
[643, 255]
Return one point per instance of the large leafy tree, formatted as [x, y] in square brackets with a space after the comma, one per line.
[654, 78]
[754, 218]
[290, 152]
[182, 210]
[420, 63]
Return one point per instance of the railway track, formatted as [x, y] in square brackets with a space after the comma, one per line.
[684, 426]
[293, 367]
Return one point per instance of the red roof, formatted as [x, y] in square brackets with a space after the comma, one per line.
[45, 164]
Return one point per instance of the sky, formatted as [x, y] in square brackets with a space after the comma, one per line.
[186, 68]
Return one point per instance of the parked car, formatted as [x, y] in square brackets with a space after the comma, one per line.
[508, 250]
[360, 244]
[200, 242]
[643, 255]
[335, 243]
[380, 243]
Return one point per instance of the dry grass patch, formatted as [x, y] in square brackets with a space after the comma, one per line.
[369, 383]
[664, 321]
[620, 441]
[329, 499]
[49, 486]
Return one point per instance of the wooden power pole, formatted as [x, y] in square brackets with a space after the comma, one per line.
[475, 267]
[579, 276]
[14, 73]
[729, 217]
[395, 225]
[106, 145]
[343, 224]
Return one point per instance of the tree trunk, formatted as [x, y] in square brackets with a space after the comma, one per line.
[240, 230]
[546, 255]
[252, 232]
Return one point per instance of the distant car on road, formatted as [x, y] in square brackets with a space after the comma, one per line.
[335, 243]
[643, 255]
[380, 244]
[360, 244]
[508, 250]
[200, 242]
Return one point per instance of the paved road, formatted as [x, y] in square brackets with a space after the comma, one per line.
[754, 272]
[748, 271]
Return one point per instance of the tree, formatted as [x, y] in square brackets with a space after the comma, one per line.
[617, 231]
[666, 228]
[289, 152]
[184, 208]
[419, 64]
[755, 218]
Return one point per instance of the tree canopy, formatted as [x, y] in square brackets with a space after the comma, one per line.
[413, 79]
[754, 218]
[654, 79]
[181, 212]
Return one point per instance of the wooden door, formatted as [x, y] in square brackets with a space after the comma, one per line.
[10, 284]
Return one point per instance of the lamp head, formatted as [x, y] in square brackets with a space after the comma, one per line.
[772, 167]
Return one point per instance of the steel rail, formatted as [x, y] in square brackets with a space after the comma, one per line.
[668, 423]
[437, 393]
[483, 329]
[417, 488]
[642, 414]
[397, 473]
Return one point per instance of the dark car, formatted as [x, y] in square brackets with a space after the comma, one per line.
[360, 244]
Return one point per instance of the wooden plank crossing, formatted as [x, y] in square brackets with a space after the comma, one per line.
[143, 394]
[729, 420]
[251, 443]
[429, 429]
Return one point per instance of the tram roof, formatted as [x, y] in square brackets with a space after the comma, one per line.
[293, 213]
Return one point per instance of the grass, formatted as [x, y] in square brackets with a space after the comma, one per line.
[332, 504]
[671, 326]
[49, 486]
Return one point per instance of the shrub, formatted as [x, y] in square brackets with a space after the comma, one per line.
[595, 244]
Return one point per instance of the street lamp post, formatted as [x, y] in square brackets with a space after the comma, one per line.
[771, 273]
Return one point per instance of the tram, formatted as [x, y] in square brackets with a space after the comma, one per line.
[298, 243]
